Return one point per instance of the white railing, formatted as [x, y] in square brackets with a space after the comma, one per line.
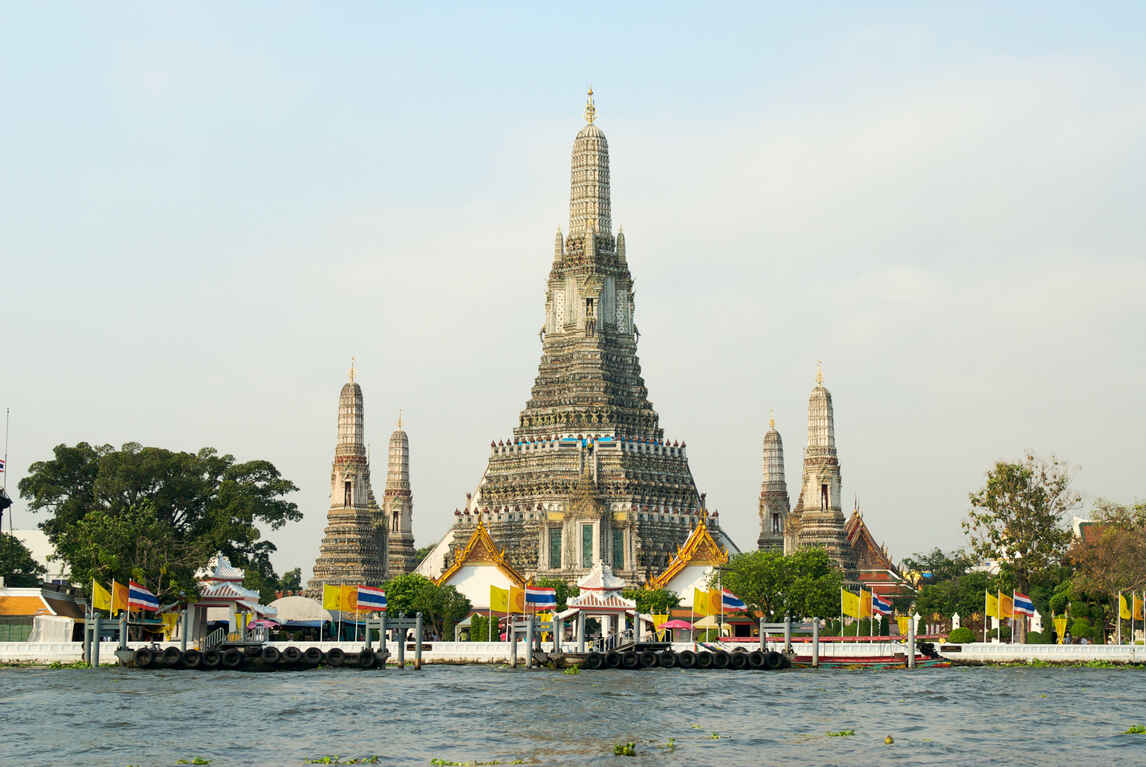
[215, 639]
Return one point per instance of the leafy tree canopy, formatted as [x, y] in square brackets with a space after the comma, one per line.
[155, 515]
[652, 601]
[17, 565]
[1017, 516]
[803, 584]
[1112, 559]
[441, 606]
[940, 566]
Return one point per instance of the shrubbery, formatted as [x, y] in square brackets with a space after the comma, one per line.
[961, 635]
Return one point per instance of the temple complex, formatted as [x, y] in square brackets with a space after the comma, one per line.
[353, 549]
[692, 566]
[398, 506]
[588, 475]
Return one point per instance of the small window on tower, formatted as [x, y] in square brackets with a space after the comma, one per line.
[776, 524]
[823, 497]
[346, 495]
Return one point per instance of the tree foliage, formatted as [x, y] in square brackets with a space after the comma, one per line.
[963, 594]
[441, 606]
[1114, 558]
[937, 566]
[155, 515]
[17, 565]
[1017, 516]
[804, 584]
[652, 601]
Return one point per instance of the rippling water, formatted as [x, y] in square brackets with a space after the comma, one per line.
[955, 716]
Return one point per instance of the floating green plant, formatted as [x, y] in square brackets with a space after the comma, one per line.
[194, 760]
[572, 670]
[841, 733]
[336, 759]
[625, 749]
[1135, 729]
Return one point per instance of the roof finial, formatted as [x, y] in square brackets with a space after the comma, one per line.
[352, 369]
[590, 109]
[772, 419]
[819, 372]
[399, 419]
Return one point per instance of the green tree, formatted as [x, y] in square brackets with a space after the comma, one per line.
[652, 601]
[441, 606]
[291, 580]
[17, 564]
[803, 584]
[422, 553]
[155, 515]
[937, 566]
[1017, 517]
[563, 589]
[1112, 557]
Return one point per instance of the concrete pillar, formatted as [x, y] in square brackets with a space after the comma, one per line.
[400, 637]
[558, 632]
[123, 630]
[183, 630]
[788, 634]
[88, 638]
[369, 639]
[911, 644]
[382, 634]
[95, 642]
[637, 627]
[763, 637]
[418, 642]
[511, 634]
[529, 643]
[815, 642]
[580, 631]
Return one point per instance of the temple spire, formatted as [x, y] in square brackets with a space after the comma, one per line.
[819, 372]
[590, 107]
[352, 362]
[589, 179]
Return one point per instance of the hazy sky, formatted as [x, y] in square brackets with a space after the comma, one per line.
[206, 210]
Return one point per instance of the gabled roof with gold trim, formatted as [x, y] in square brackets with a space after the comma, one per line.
[481, 550]
[700, 549]
[869, 554]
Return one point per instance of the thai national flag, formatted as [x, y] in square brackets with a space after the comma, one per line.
[139, 598]
[370, 598]
[1, 464]
[1024, 605]
[880, 606]
[731, 601]
[536, 595]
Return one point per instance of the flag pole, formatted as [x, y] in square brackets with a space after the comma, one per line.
[1118, 607]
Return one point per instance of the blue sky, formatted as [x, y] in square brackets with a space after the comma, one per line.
[207, 210]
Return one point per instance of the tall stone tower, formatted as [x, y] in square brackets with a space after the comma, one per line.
[587, 475]
[398, 504]
[354, 541]
[774, 503]
[818, 518]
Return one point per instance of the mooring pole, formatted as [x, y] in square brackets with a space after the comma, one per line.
[529, 643]
[910, 641]
[511, 633]
[183, 631]
[788, 634]
[763, 637]
[815, 642]
[123, 630]
[400, 637]
[418, 642]
[580, 631]
[369, 639]
[382, 636]
[95, 643]
[88, 637]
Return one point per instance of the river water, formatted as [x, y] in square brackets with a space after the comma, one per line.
[956, 716]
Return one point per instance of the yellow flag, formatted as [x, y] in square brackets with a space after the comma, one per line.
[1138, 612]
[498, 599]
[1006, 606]
[349, 600]
[1123, 607]
[101, 597]
[1060, 627]
[992, 608]
[331, 597]
[701, 604]
[170, 621]
[118, 597]
[516, 599]
[659, 620]
[865, 604]
[901, 621]
[849, 603]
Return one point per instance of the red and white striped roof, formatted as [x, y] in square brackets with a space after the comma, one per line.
[592, 601]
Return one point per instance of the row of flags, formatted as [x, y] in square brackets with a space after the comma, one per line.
[715, 601]
[865, 604]
[351, 599]
[1134, 610]
[129, 597]
[514, 599]
[1000, 605]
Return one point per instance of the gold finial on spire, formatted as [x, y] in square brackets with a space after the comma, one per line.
[772, 419]
[590, 108]
[352, 360]
[819, 372]
[400, 419]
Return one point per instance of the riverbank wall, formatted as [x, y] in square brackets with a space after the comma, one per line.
[993, 652]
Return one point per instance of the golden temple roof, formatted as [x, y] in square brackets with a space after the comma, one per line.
[700, 549]
[481, 550]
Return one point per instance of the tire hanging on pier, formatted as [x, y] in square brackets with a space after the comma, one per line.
[144, 658]
[756, 660]
[192, 659]
[271, 655]
[612, 660]
[592, 661]
[686, 659]
[738, 660]
[292, 655]
[335, 657]
[312, 657]
[231, 659]
[380, 658]
[171, 656]
[211, 660]
[666, 659]
[646, 659]
[720, 660]
[773, 660]
[704, 660]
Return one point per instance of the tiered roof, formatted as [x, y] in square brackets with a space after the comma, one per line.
[481, 550]
[700, 549]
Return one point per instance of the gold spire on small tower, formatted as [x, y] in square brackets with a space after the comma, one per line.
[819, 372]
[400, 419]
[771, 419]
[352, 360]
[590, 108]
